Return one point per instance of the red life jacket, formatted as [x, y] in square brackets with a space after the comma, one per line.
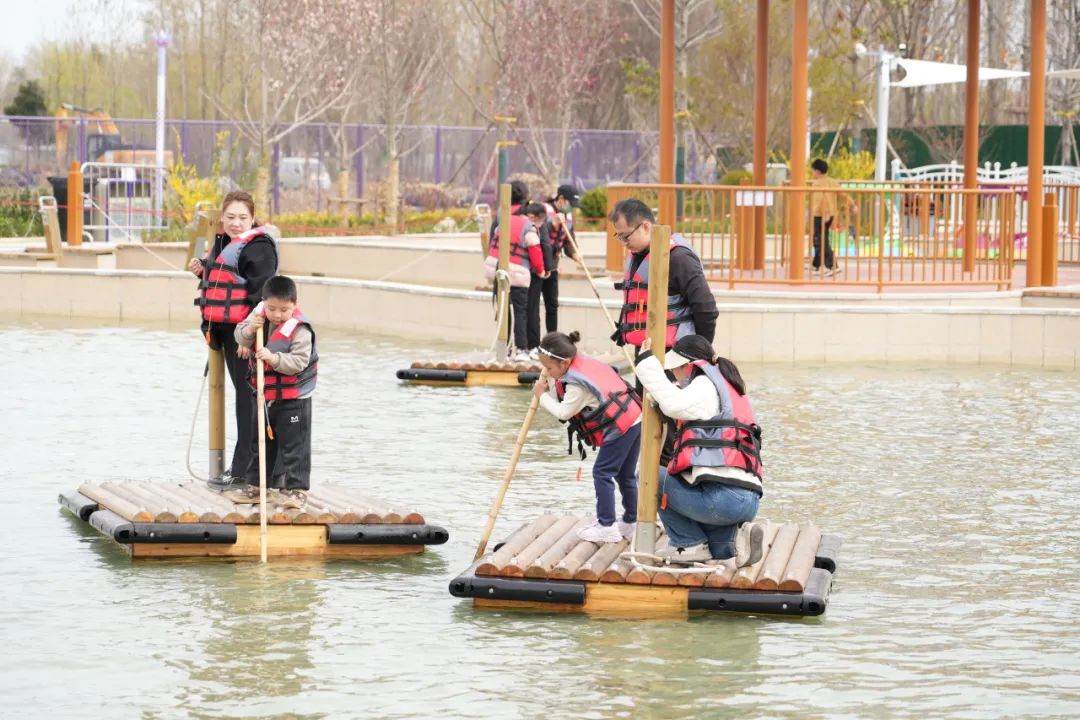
[519, 228]
[223, 291]
[617, 409]
[279, 386]
[635, 310]
[731, 439]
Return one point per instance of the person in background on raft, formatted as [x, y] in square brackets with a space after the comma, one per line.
[711, 487]
[604, 412]
[243, 257]
[540, 218]
[691, 305]
[559, 226]
[526, 258]
[290, 372]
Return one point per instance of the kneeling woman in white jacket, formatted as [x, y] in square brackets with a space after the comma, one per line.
[710, 489]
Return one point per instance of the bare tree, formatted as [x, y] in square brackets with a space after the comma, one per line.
[1063, 49]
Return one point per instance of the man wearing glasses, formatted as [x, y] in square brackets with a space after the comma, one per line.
[691, 305]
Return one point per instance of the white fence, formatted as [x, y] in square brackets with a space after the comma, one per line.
[986, 173]
[120, 201]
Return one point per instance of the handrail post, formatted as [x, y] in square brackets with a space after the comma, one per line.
[75, 205]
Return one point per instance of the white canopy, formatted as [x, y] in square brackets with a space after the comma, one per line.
[921, 73]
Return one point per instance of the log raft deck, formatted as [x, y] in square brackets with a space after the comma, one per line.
[544, 566]
[189, 520]
[481, 370]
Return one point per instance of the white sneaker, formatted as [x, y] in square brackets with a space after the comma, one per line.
[520, 356]
[534, 354]
[749, 543]
[598, 533]
[834, 271]
[626, 529]
[681, 555]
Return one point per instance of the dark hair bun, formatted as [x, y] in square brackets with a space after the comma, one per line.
[574, 336]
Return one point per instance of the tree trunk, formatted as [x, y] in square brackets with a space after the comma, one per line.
[343, 192]
[393, 193]
[262, 189]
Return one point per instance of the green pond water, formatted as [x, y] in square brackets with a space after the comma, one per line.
[957, 592]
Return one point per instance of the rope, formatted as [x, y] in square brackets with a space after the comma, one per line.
[191, 432]
[406, 265]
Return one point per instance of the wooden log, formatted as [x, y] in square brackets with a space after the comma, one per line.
[208, 513]
[442, 366]
[721, 577]
[154, 504]
[667, 578]
[524, 558]
[542, 566]
[187, 513]
[375, 511]
[802, 560]
[492, 563]
[744, 578]
[779, 554]
[165, 509]
[595, 568]
[302, 516]
[565, 568]
[616, 571]
[337, 510]
[121, 506]
[229, 512]
[640, 576]
[363, 511]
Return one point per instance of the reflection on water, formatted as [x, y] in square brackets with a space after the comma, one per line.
[954, 489]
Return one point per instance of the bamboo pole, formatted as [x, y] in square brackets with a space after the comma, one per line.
[493, 513]
[260, 430]
[652, 426]
[216, 382]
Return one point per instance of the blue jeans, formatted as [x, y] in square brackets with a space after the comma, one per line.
[616, 462]
[707, 512]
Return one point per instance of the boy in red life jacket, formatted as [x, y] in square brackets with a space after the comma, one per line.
[605, 413]
[711, 486]
[291, 366]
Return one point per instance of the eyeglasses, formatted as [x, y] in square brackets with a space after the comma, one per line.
[625, 237]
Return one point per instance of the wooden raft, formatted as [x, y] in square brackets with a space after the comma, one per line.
[545, 558]
[188, 519]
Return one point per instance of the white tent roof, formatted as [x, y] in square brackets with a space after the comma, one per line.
[921, 73]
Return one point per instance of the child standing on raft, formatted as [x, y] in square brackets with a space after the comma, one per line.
[291, 369]
[605, 413]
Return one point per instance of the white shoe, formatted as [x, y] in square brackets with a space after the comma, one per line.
[597, 533]
[749, 543]
[626, 529]
[682, 555]
[520, 356]
[534, 354]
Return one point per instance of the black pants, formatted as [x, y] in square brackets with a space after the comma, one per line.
[288, 453]
[221, 338]
[817, 243]
[519, 306]
[549, 288]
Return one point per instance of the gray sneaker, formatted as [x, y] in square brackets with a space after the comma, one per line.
[247, 495]
[294, 499]
[225, 481]
[749, 543]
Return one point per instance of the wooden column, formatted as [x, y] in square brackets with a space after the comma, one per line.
[800, 20]
[75, 205]
[667, 110]
[652, 427]
[503, 289]
[1036, 142]
[971, 136]
[761, 124]
[216, 384]
[1049, 240]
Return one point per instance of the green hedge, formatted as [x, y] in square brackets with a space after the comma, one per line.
[19, 216]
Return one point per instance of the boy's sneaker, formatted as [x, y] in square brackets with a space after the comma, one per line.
[834, 271]
[225, 481]
[683, 555]
[749, 543]
[247, 495]
[294, 499]
[598, 533]
[626, 529]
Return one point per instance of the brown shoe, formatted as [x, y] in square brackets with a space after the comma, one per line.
[247, 495]
[294, 499]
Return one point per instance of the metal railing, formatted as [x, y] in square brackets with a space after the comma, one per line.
[882, 236]
[119, 201]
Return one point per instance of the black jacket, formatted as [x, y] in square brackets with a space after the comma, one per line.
[686, 277]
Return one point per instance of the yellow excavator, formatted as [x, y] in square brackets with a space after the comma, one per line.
[103, 140]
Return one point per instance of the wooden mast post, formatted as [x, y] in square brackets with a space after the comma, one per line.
[216, 381]
[502, 286]
[652, 426]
